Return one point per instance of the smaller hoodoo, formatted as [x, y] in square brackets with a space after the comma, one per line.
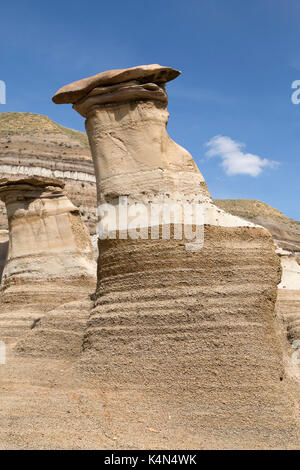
[50, 257]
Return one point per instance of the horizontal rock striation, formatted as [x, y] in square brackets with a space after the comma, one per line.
[59, 333]
[195, 329]
[285, 231]
[33, 145]
[286, 234]
[51, 172]
[50, 257]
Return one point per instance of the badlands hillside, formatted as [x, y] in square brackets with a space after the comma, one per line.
[285, 231]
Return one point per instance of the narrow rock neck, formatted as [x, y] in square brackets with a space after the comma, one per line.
[133, 153]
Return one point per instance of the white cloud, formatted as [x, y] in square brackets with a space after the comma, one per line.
[234, 160]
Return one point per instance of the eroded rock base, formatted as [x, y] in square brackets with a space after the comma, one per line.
[197, 330]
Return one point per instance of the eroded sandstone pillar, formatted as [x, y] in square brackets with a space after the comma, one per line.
[193, 329]
[50, 258]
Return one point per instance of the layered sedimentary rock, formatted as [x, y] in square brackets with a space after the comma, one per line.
[286, 235]
[50, 258]
[59, 333]
[194, 327]
[34, 145]
[285, 231]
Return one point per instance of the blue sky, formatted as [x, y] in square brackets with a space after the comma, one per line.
[238, 61]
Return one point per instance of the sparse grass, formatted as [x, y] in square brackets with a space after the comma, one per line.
[28, 123]
[251, 209]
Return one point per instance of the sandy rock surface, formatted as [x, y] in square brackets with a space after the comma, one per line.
[50, 258]
[179, 347]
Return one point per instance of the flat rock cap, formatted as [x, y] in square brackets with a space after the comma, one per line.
[37, 181]
[145, 73]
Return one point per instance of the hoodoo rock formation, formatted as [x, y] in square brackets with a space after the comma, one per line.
[126, 125]
[194, 328]
[50, 259]
[34, 145]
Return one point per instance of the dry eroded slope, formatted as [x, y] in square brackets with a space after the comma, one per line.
[285, 231]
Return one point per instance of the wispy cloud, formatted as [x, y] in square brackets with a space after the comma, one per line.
[234, 160]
